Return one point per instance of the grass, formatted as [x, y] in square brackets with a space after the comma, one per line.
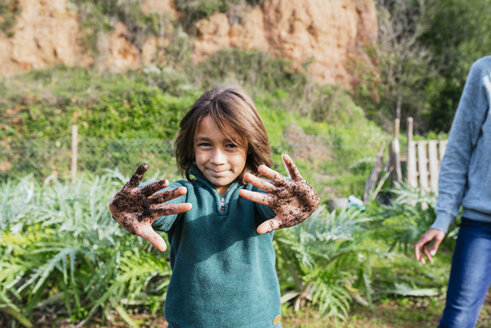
[388, 313]
[334, 146]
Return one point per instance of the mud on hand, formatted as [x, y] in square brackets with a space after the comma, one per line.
[293, 200]
[135, 209]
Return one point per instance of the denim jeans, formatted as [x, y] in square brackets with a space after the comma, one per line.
[470, 275]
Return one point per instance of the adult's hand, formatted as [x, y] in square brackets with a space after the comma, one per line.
[136, 209]
[428, 245]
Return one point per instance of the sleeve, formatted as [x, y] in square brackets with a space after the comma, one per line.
[464, 134]
[165, 223]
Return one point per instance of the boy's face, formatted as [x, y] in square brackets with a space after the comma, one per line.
[218, 157]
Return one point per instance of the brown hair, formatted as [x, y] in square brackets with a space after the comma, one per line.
[235, 114]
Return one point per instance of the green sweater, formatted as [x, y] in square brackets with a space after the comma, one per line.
[223, 271]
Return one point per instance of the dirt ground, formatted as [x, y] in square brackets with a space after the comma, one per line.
[393, 313]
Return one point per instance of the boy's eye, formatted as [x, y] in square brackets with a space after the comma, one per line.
[231, 146]
[204, 144]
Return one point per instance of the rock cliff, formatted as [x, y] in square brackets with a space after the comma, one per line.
[327, 33]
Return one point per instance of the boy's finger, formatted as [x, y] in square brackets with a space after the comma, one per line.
[169, 209]
[291, 167]
[262, 184]
[153, 187]
[136, 178]
[167, 195]
[269, 173]
[154, 238]
[257, 197]
[268, 226]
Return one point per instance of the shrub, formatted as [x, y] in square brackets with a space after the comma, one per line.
[410, 213]
[322, 261]
[60, 247]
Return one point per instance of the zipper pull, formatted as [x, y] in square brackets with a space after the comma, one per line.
[222, 204]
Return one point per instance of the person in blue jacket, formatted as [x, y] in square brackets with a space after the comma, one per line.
[465, 180]
[220, 220]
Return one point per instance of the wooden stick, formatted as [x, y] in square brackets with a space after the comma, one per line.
[372, 179]
[74, 153]
[381, 183]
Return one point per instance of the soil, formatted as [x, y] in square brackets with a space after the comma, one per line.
[394, 313]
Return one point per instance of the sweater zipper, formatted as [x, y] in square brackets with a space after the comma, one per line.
[222, 204]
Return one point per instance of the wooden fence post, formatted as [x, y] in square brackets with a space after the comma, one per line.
[395, 155]
[411, 156]
[74, 153]
[422, 165]
[433, 164]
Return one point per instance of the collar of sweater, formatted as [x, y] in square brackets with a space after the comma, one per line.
[194, 171]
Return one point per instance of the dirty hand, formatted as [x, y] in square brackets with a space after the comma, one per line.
[433, 237]
[292, 200]
[135, 209]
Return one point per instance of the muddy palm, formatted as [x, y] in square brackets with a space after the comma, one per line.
[137, 208]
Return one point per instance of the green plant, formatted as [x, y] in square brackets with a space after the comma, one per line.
[60, 246]
[457, 36]
[409, 214]
[96, 17]
[9, 10]
[323, 262]
[199, 9]
[252, 69]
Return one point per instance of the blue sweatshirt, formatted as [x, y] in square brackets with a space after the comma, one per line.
[465, 172]
[223, 271]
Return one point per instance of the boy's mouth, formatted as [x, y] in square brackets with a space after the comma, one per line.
[217, 172]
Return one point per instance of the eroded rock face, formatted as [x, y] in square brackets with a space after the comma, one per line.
[164, 7]
[45, 33]
[116, 53]
[329, 33]
[216, 33]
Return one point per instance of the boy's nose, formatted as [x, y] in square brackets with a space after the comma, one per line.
[217, 157]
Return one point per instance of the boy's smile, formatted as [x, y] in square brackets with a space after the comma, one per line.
[220, 158]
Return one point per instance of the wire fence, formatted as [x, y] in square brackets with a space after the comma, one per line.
[67, 157]
[44, 157]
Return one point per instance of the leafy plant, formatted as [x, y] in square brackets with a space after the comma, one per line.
[96, 17]
[323, 262]
[410, 213]
[457, 35]
[60, 246]
[252, 69]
